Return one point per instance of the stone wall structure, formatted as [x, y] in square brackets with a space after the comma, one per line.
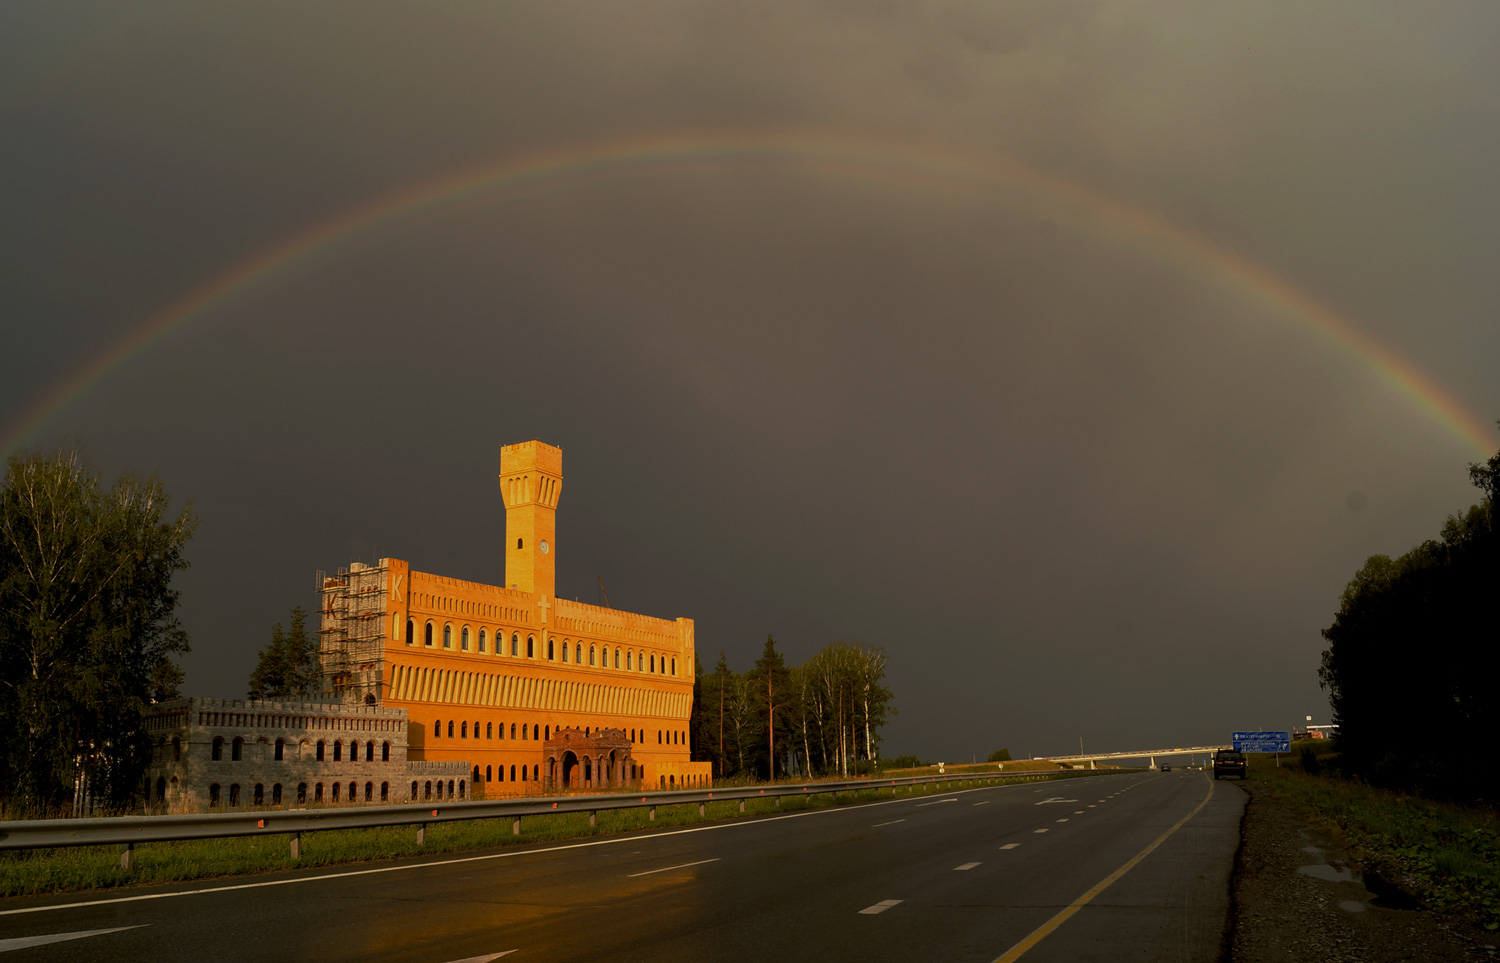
[491, 673]
[238, 754]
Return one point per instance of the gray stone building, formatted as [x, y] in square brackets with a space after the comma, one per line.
[238, 754]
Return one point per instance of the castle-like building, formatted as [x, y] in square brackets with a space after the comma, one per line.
[533, 692]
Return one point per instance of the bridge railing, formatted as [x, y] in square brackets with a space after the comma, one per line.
[126, 831]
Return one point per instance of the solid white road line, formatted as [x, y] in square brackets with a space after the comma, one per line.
[964, 867]
[891, 823]
[985, 802]
[936, 801]
[25, 942]
[486, 958]
[879, 907]
[668, 869]
[1010, 846]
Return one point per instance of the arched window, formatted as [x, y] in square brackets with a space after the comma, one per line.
[464, 639]
[176, 749]
[318, 792]
[338, 750]
[216, 752]
[565, 652]
[515, 643]
[213, 794]
[653, 662]
[369, 792]
[632, 735]
[411, 633]
[512, 730]
[161, 789]
[437, 729]
[336, 792]
[385, 752]
[530, 646]
[481, 640]
[440, 789]
[604, 657]
[658, 737]
[547, 733]
[460, 788]
[260, 794]
[450, 728]
[427, 636]
[280, 750]
[674, 666]
[463, 731]
[370, 751]
[385, 792]
[234, 794]
[488, 774]
[237, 749]
[475, 777]
[629, 660]
[536, 773]
[512, 778]
[354, 792]
[500, 773]
[321, 750]
[301, 793]
[476, 728]
[489, 730]
[591, 655]
[525, 730]
[518, 544]
[447, 635]
[413, 789]
[551, 656]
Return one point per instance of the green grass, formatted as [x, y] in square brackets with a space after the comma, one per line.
[1452, 850]
[98, 867]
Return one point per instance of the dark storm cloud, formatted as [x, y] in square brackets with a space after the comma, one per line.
[1072, 485]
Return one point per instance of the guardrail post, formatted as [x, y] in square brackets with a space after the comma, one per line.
[651, 816]
[592, 819]
[127, 855]
[515, 827]
[421, 834]
[742, 805]
[296, 845]
[703, 809]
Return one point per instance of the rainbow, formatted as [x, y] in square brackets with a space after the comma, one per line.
[844, 157]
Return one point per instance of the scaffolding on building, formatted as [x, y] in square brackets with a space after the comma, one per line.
[351, 638]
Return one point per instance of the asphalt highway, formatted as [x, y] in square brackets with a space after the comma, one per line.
[1110, 867]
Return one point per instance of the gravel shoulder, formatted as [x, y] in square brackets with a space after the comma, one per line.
[1301, 896]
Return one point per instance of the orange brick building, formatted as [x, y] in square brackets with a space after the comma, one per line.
[534, 692]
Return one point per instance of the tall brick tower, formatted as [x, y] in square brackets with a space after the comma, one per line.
[531, 484]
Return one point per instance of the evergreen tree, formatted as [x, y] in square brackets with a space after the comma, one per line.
[771, 683]
[88, 627]
[288, 666]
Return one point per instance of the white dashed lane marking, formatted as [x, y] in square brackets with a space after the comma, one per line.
[1039, 830]
[668, 869]
[1063, 820]
[936, 801]
[1010, 846]
[879, 907]
[984, 802]
[25, 942]
[964, 867]
[891, 823]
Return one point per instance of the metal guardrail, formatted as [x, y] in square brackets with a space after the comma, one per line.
[128, 830]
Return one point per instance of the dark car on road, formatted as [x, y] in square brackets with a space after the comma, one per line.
[1228, 762]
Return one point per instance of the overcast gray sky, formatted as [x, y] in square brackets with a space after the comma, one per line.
[949, 328]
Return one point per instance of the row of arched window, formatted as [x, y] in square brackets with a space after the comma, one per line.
[258, 796]
[320, 749]
[667, 737]
[427, 789]
[573, 652]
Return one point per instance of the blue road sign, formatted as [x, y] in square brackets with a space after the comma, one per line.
[1270, 741]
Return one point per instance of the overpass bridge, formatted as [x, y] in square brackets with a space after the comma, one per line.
[1092, 758]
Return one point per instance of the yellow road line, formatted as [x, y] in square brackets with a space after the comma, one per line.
[1045, 930]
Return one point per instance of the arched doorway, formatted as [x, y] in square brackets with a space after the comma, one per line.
[569, 769]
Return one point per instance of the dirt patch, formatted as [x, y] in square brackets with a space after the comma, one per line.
[1302, 897]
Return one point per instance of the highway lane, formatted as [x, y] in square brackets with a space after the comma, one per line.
[962, 876]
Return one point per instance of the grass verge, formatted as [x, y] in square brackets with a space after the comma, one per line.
[98, 867]
[1450, 852]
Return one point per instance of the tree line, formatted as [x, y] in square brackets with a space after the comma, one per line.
[88, 629]
[1412, 657]
[821, 717]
